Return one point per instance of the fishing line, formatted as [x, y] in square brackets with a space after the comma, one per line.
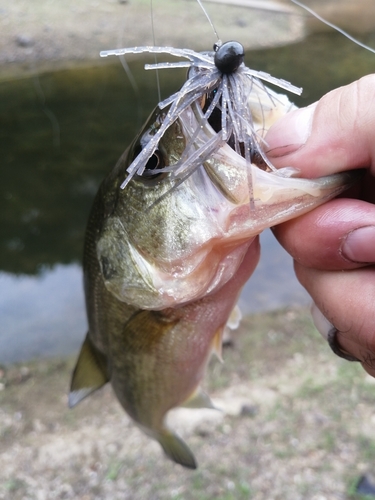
[56, 139]
[135, 88]
[132, 81]
[331, 25]
[153, 40]
[209, 19]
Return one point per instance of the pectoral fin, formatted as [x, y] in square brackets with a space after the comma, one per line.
[175, 448]
[234, 319]
[90, 373]
[199, 399]
[217, 344]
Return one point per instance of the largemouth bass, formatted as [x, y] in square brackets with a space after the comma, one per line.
[171, 240]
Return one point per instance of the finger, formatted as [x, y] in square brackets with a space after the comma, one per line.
[332, 135]
[346, 300]
[335, 236]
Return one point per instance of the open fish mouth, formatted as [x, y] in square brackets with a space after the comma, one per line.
[198, 186]
[177, 236]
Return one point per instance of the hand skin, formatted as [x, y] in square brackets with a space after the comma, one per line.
[334, 245]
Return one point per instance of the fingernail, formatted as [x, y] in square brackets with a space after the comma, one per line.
[321, 322]
[290, 132]
[359, 245]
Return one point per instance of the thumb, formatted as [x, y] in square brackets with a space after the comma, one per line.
[332, 135]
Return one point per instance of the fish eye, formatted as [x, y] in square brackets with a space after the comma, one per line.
[228, 57]
[155, 162]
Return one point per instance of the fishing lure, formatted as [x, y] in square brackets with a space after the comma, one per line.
[220, 81]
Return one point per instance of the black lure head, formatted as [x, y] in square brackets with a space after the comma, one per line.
[228, 57]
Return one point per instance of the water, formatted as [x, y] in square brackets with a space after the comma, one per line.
[60, 133]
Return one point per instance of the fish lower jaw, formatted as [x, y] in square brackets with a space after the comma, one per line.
[274, 204]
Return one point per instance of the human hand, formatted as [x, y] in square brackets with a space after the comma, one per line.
[334, 245]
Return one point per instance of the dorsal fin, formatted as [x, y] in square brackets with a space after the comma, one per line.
[90, 373]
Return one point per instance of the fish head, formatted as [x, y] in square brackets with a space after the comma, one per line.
[180, 229]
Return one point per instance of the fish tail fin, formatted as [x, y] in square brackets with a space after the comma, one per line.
[176, 449]
[90, 373]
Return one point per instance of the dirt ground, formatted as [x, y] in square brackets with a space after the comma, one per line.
[294, 422]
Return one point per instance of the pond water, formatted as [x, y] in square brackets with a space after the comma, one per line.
[60, 133]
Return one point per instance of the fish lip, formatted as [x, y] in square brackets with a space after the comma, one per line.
[289, 198]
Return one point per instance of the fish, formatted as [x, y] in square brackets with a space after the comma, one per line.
[172, 239]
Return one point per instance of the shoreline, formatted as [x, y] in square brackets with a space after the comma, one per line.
[47, 36]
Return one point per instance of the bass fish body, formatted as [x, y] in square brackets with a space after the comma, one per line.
[166, 257]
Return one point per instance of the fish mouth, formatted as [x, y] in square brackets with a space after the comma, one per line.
[218, 233]
[220, 208]
[263, 199]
